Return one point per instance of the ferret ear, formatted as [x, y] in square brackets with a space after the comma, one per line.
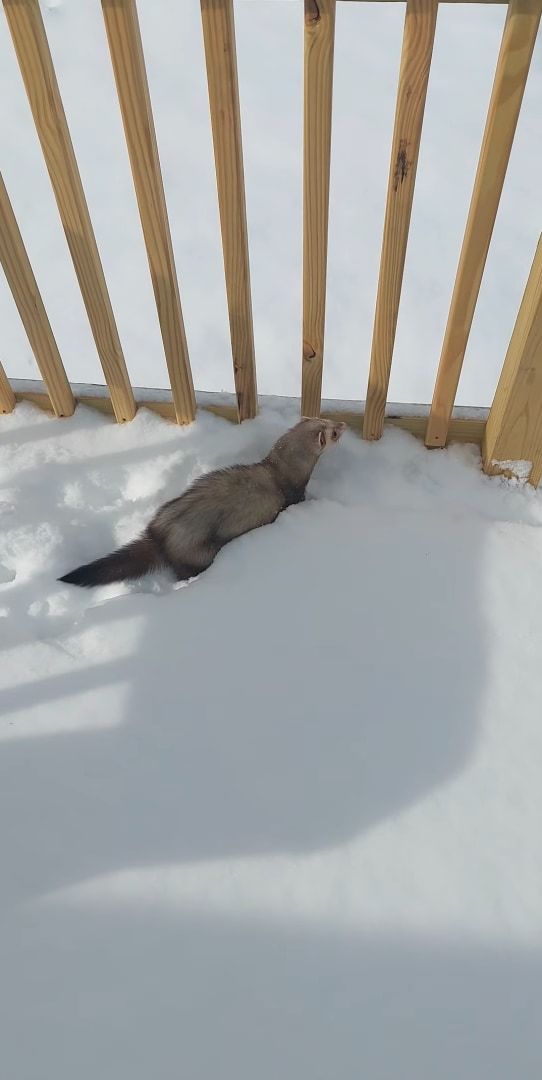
[321, 440]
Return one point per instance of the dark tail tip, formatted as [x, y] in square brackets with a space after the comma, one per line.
[129, 562]
[78, 577]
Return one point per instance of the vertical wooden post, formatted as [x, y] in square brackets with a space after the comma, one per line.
[515, 54]
[317, 111]
[221, 60]
[124, 37]
[418, 38]
[26, 294]
[7, 397]
[514, 428]
[32, 49]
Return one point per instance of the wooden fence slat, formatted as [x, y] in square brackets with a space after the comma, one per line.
[442, 1]
[124, 37]
[221, 60]
[463, 429]
[515, 54]
[319, 46]
[514, 426]
[417, 50]
[35, 61]
[7, 397]
[23, 285]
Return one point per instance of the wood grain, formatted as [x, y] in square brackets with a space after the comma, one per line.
[467, 430]
[514, 425]
[221, 60]
[461, 430]
[317, 109]
[417, 50]
[7, 397]
[442, 1]
[125, 46]
[165, 409]
[24, 289]
[32, 49]
[515, 54]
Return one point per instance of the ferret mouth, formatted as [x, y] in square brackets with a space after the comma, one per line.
[337, 431]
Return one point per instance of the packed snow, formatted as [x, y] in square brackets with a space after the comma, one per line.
[283, 820]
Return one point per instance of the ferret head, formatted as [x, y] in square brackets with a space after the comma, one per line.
[296, 453]
[323, 433]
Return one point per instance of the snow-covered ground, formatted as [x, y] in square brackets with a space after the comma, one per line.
[270, 51]
[284, 821]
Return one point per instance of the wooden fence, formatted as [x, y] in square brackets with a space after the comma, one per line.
[513, 431]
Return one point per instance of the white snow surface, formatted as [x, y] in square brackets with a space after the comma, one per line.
[270, 55]
[283, 820]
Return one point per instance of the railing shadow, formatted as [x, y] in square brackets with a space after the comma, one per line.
[132, 992]
[323, 675]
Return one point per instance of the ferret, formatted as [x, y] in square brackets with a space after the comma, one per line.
[186, 534]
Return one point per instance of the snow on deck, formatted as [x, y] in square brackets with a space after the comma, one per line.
[285, 820]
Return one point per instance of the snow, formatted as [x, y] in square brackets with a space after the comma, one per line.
[285, 820]
[520, 469]
[270, 53]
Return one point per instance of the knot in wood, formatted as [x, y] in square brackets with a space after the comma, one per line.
[312, 12]
[402, 165]
[308, 351]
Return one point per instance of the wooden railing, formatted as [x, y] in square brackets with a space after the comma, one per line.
[514, 427]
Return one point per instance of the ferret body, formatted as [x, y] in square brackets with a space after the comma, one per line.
[187, 533]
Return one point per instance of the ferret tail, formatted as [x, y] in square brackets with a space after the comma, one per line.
[129, 562]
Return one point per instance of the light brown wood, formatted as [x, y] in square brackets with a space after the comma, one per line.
[221, 60]
[443, 1]
[166, 409]
[30, 41]
[514, 426]
[125, 46]
[418, 38]
[317, 108]
[461, 430]
[7, 397]
[21, 280]
[515, 54]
